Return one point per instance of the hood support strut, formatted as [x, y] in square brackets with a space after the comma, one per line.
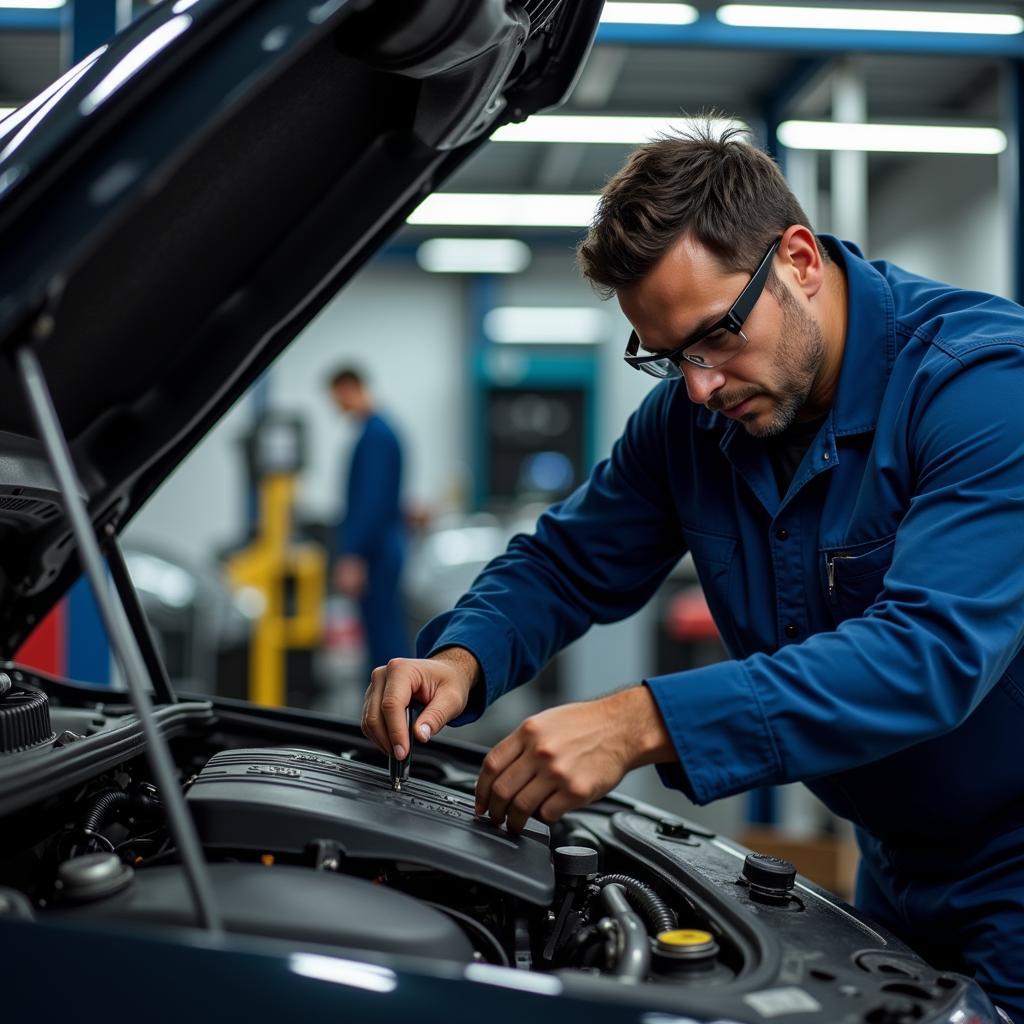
[122, 640]
[162, 689]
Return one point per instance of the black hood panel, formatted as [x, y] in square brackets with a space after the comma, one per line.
[162, 245]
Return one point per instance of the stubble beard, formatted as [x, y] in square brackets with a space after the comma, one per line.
[800, 355]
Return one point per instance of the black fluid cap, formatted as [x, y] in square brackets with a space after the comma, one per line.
[93, 877]
[24, 720]
[575, 861]
[771, 874]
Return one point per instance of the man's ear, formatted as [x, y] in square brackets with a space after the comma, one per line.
[801, 260]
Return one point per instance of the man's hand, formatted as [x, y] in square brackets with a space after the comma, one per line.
[440, 684]
[570, 756]
[350, 576]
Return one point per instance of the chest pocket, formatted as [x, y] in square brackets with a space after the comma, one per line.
[853, 576]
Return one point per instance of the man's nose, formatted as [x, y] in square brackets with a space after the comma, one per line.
[701, 382]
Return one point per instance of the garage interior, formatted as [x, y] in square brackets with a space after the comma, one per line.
[501, 370]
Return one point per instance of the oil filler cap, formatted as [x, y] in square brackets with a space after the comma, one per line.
[770, 878]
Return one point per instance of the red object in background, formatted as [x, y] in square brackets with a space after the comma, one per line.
[44, 649]
[689, 617]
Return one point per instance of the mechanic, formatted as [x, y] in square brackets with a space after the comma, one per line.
[370, 541]
[844, 459]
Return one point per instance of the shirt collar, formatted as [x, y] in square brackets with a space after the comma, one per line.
[869, 350]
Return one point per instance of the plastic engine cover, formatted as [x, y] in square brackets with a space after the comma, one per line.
[292, 903]
[281, 799]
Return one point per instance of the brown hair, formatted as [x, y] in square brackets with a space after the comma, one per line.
[345, 375]
[730, 195]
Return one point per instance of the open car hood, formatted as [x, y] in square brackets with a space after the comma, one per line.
[177, 207]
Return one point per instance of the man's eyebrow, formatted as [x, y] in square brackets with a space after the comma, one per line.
[703, 325]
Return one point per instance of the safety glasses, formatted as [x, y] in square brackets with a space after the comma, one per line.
[713, 345]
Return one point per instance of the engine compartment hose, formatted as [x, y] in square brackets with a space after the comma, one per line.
[634, 949]
[652, 908]
[102, 809]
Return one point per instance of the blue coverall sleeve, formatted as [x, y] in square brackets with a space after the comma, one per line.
[947, 623]
[596, 557]
[374, 482]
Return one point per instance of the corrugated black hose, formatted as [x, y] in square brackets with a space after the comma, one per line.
[109, 804]
[101, 810]
[651, 907]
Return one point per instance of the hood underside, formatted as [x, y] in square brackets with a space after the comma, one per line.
[180, 205]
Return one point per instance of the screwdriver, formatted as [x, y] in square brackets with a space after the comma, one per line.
[399, 769]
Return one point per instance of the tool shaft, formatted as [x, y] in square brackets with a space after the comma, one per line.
[399, 769]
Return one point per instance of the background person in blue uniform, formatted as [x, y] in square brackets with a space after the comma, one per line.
[840, 445]
[370, 544]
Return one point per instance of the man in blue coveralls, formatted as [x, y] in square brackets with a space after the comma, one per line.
[370, 546]
[840, 445]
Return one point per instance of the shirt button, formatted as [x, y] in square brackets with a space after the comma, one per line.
[791, 631]
[782, 533]
[826, 456]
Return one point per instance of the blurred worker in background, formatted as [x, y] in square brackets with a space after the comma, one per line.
[839, 444]
[370, 543]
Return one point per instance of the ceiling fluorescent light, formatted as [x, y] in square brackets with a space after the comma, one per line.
[554, 325]
[31, 5]
[4, 111]
[622, 130]
[505, 210]
[473, 255]
[869, 20]
[649, 14]
[890, 138]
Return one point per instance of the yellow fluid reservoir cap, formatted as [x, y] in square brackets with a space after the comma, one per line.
[685, 937]
[689, 948]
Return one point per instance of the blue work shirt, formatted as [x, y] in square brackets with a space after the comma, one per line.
[874, 613]
[373, 507]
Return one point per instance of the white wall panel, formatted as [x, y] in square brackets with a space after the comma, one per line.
[942, 216]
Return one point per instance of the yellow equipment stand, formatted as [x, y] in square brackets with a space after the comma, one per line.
[268, 565]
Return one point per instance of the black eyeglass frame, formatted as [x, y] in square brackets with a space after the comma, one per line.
[732, 322]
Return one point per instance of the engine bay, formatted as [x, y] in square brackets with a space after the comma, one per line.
[307, 844]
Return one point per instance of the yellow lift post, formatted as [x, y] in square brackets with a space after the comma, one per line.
[291, 579]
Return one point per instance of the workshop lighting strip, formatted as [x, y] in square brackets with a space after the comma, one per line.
[869, 20]
[505, 210]
[890, 138]
[473, 256]
[31, 5]
[648, 14]
[540, 325]
[597, 129]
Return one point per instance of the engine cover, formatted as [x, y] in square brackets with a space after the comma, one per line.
[290, 903]
[281, 799]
